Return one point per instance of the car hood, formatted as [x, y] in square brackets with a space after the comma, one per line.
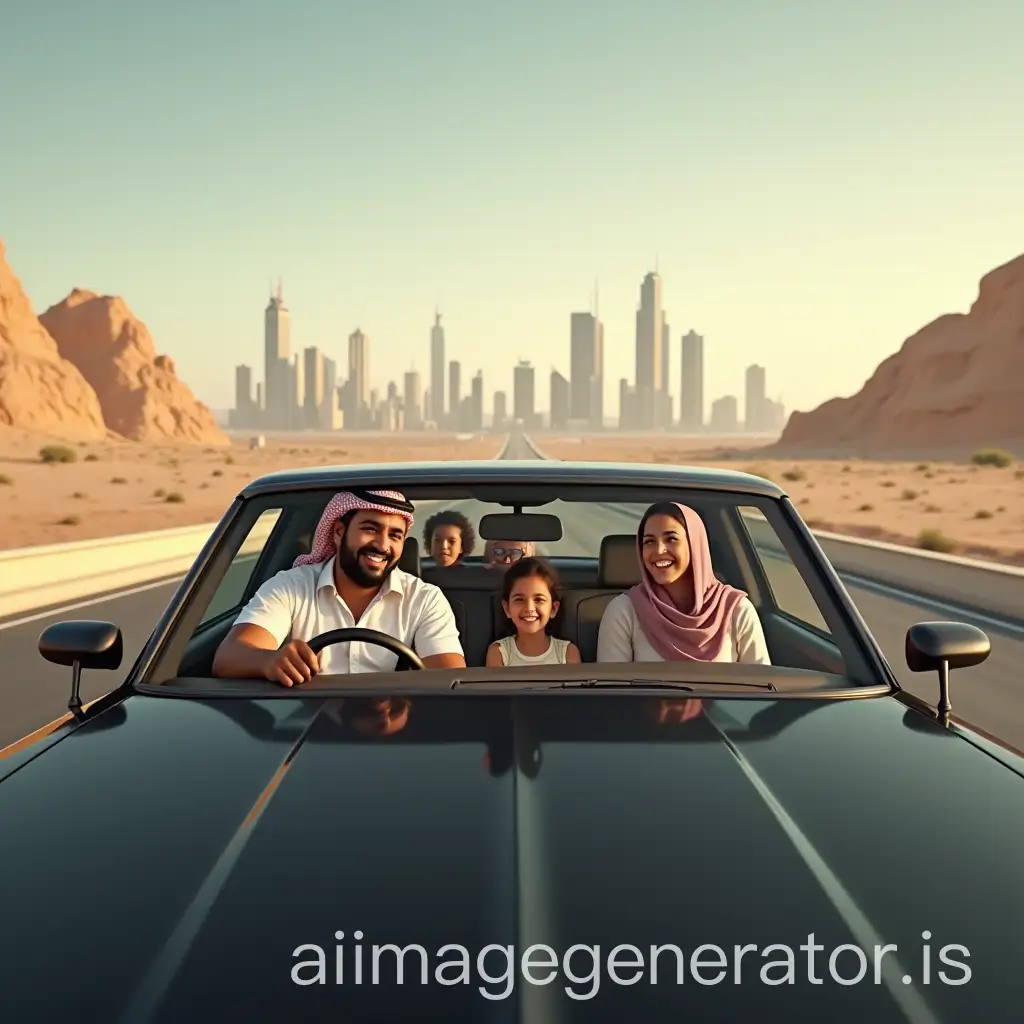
[179, 856]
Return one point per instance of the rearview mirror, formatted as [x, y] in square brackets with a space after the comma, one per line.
[82, 643]
[941, 646]
[537, 527]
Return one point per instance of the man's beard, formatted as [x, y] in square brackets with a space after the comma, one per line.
[357, 571]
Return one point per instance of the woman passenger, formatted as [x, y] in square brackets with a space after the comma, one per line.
[680, 611]
[449, 536]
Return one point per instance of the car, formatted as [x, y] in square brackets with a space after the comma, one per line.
[800, 841]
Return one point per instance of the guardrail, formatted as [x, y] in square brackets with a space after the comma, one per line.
[51, 574]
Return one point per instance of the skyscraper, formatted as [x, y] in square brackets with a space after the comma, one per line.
[691, 389]
[314, 392]
[277, 373]
[244, 413]
[665, 408]
[649, 321]
[477, 401]
[500, 413]
[558, 408]
[523, 393]
[359, 378]
[756, 409]
[454, 392]
[586, 369]
[437, 367]
[413, 413]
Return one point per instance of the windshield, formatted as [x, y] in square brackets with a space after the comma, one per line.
[594, 585]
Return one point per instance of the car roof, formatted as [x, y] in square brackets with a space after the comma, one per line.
[510, 471]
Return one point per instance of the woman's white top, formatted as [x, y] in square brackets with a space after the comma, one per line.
[511, 655]
[620, 637]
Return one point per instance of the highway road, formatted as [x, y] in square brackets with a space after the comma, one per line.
[990, 696]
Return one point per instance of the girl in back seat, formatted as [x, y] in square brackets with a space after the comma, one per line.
[530, 600]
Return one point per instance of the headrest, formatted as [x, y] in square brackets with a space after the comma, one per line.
[410, 560]
[619, 567]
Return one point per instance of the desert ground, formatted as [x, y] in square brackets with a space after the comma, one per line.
[113, 488]
[957, 506]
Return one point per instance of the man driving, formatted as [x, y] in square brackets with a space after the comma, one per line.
[350, 578]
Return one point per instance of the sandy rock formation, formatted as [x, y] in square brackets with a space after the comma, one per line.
[39, 391]
[139, 391]
[956, 383]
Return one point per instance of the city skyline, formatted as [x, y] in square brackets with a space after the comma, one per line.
[308, 389]
[808, 176]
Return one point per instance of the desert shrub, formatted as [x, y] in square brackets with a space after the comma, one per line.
[91, 457]
[935, 540]
[794, 474]
[57, 453]
[175, 498]
[983, 513]
[866, 508]
[5, 480]
[992, 457]
[69, 521]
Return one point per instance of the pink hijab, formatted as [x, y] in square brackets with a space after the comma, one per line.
[323, 546]
[686, 634]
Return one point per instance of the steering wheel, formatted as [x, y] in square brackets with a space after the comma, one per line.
[407, 657]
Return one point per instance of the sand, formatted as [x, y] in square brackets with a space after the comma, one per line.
[124, 487]
[116, 488]
[943, 504]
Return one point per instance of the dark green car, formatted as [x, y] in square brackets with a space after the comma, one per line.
[680, 840]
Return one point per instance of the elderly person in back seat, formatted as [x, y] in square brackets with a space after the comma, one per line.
[350, 578]
[500, 554]
[680, 611]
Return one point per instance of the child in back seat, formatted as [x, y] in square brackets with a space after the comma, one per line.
[530, 600]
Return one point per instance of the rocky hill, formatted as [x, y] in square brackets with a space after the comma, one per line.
[956, 383]
[39, 390]
[139, 391]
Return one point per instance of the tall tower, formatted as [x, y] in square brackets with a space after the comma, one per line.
[455, 394]
[649, 321]
[359, 377]
[691, 389]
[756, 411]
[437, 370]
[277, 376]
[585, 335]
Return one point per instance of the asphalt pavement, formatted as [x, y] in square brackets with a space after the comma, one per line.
[990, 696]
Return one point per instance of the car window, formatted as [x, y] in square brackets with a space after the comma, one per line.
[236, 578]
[790, 592]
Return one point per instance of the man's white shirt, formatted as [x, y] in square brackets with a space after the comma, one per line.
[302, 602]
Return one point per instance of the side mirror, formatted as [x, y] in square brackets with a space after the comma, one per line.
[941, 646]
[82, 643]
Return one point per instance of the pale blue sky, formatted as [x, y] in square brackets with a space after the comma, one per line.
[817, 178]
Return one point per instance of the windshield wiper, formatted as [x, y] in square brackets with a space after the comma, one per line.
[602, 684]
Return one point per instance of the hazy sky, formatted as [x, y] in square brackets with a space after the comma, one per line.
[816, 178]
